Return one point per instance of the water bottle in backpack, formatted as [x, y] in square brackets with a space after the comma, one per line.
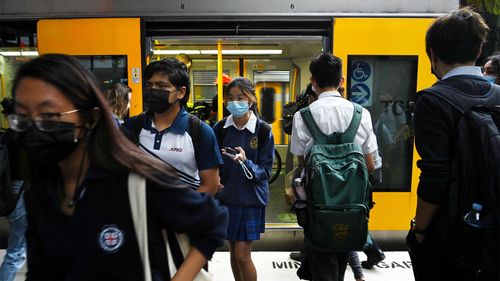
[476, 219]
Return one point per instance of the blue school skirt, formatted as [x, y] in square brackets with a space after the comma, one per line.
[245, 223]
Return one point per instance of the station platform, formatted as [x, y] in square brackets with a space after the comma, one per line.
[277, 266]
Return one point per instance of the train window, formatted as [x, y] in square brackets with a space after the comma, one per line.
[205, 87]
[386, 86]
[107, 69]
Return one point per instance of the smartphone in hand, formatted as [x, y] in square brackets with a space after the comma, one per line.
[230, 152]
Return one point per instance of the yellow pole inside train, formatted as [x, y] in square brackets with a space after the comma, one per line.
[220, 97]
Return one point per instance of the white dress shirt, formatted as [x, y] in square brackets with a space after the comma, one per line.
[332, 113]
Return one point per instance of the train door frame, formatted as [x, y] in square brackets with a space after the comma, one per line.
[390, 37]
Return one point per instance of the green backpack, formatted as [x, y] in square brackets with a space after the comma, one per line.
[337, 188]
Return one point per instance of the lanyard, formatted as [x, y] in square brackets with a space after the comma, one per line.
[247, 172]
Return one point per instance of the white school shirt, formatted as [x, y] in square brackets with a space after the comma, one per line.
[332, 113]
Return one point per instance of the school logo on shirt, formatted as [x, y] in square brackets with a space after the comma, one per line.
[176, 149]
[111, 238]
[254, 143]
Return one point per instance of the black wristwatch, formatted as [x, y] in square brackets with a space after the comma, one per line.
[413, 225]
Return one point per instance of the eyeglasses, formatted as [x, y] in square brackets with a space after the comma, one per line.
[46, 122]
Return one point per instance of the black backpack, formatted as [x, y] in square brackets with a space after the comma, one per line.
[289, 110]
[475, 178]
[133, 130]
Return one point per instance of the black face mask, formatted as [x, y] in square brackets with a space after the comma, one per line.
[157, 100]
[49, 147]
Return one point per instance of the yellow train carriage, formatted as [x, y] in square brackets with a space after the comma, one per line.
[269, 42]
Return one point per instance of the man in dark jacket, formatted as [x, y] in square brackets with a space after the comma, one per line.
[453, 43]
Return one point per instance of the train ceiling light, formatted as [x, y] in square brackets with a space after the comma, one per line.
[176, 52]
[243, 52]
[214, 52]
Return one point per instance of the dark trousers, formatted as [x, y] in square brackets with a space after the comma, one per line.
[430, 262]
[326, 266]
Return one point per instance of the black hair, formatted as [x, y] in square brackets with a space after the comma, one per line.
[176, 72]
[326, 69]
[457, 37]
[108, 147]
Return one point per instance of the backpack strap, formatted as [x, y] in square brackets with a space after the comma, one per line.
[263, 132]
[460, 100]
[335, 138]
[133, 131]
[318, 136]
[352, 130]
[195, 127]
[220, 133]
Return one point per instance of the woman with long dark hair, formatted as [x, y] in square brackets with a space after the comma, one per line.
[80, 226]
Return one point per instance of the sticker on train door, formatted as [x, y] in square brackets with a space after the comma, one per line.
[136, 75]
[361, 82]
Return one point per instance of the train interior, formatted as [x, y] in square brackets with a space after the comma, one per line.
[279, 69]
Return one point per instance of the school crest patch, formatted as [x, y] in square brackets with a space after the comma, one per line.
[254, 143]
[111, 238]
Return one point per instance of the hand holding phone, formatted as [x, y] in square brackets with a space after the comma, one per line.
[230, 152]
[238, 155]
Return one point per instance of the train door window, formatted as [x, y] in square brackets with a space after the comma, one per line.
[386, 86]
[107, 69]
[272, 87]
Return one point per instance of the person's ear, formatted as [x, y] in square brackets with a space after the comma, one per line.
[342, 80]
[480, 52]
[181, 92]
[432, 58]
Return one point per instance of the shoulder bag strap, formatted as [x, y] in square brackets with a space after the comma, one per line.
[352, 130]
[220, 133]
[137, 198]
[195, 127]
[317, 135]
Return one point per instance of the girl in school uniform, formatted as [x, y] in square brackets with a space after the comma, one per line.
[248, 147]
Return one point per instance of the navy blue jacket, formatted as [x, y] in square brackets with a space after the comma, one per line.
[238, 189]
[98, 242]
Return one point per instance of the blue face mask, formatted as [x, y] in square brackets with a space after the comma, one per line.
[238, 108]
[490, 78]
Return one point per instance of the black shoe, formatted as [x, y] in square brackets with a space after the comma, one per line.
[297, 256]
[373, 259]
